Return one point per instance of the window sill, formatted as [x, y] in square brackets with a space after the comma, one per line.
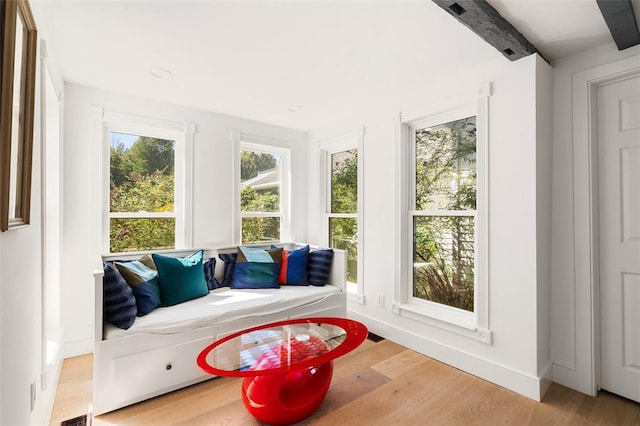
[462, 325]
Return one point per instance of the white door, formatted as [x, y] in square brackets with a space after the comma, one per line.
[618, 132]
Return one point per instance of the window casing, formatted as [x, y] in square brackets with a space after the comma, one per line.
[263, 191]
[341, 211]
[442, 220]
[160, 214]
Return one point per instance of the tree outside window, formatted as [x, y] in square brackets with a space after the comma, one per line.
[141, 193]
[343, 215]
[444, 218]
[260, 201]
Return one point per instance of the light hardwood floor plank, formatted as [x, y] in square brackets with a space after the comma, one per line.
[377, 384]
[399, 364]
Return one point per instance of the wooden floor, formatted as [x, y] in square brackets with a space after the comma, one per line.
[377, 384]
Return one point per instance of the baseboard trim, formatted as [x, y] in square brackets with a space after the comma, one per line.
[529, 386]
[570, 378]
[48, 394]
[77, 348]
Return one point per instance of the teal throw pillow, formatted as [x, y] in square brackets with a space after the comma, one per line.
[180, 279]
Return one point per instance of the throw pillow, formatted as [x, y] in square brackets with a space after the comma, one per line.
[180, 279]
[256, 275]
[261, 272]
[147, 298]
[119, 304]
[229, 260]
[137, 272]
[251, 254]
[293, 269]
[142, 273]
[209, 273]
[319, 266]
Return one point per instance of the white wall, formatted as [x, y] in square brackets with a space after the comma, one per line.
[544, 170]
[212, 190]
[20, 307]
[571, 298]
[518, 230]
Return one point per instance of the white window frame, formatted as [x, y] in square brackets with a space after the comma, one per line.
[327, 147]
[244, 142]
[475, 324]
[183, 134]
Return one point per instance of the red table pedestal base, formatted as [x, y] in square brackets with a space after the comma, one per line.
[287, 398]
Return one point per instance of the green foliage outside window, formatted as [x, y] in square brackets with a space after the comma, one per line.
[343, 235]
[142, 234]
[444, 245]
[343, 231]
[252, 163]
[261, 197]
[142, 180]
[344, 182]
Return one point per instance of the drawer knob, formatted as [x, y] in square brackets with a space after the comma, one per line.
[168, 367]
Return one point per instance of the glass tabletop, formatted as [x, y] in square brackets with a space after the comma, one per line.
[282, 346]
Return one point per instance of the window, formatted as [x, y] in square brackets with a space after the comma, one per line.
[263, 194]
[444, 213]
[342, 215]
[341, 206]
[146, 193]
[142, 196]
[442, 254]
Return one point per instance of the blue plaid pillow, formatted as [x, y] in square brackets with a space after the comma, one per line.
[118, 300]
[319, 266]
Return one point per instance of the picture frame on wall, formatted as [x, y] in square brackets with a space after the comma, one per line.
[18, 45]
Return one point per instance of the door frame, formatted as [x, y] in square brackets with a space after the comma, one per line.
[585, 214]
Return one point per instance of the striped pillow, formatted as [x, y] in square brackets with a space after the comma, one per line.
[118, 300]
[229, 260]
[209, 273]
[319, 266]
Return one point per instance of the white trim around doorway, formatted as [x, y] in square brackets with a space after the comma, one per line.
[585, 208]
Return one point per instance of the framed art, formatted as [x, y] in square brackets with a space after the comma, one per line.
[18, 42]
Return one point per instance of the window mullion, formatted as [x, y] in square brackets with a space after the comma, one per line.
[141, 215]
[462, 213]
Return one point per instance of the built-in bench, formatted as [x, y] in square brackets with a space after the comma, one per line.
[157, 354]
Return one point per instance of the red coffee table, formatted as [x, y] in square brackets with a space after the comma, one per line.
[286, 365]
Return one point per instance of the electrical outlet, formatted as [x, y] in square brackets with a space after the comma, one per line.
[380, 300]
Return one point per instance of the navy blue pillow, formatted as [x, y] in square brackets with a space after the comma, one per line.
[119, 304]
[319, 266]
[146, 298]
[229, 260]
[209, 273]
[256, 275]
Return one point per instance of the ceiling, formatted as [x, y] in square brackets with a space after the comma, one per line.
[302, 64]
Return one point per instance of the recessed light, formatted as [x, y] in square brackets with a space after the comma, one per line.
[158, 72]
[294, 108]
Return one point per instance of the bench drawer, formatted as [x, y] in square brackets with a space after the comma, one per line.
[150, 371]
